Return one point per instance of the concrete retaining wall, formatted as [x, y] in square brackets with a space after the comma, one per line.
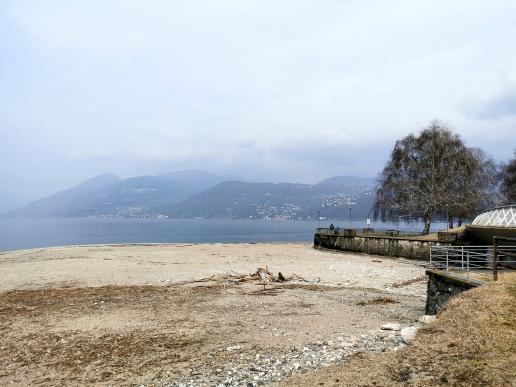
[392, 246]
[442, 286]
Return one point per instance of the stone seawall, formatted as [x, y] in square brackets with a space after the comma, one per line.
[444, 285]
[378, 245]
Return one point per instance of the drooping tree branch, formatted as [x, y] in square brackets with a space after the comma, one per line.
[433, 174]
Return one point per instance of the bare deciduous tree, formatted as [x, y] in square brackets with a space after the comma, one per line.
[433, 173]
[474, 185]
[509, 181]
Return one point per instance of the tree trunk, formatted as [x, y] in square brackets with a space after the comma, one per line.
[459, 222]
[450, 221]
[427, 218]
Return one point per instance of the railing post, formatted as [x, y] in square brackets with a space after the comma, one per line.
[462, 258]
[495, 260]
[447, 250]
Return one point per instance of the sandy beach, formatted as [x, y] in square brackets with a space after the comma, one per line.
[152, 264]
[184, 314]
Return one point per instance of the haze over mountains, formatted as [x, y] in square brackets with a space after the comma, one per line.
[9, 201]
[201, 194]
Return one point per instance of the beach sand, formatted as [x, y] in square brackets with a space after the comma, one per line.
[140, 264]
[160, 314]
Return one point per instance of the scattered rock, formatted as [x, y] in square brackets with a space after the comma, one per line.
[384, 333]
[347, 344]
[265, 368]
[390, 327]
[408, 334]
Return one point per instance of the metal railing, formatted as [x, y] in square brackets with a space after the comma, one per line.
[503, 255]
[465, 259]
[394, 233]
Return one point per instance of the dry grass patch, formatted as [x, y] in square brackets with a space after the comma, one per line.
[503, 275]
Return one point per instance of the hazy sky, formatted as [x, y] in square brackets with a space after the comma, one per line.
[268, 90]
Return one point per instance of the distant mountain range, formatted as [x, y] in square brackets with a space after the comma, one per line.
[53, 205]
[201, 194]
[236, 199]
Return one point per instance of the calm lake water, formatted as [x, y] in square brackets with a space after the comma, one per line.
[32, 233]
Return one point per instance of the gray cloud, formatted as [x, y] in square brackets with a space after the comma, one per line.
[292, 90]
[497, 107]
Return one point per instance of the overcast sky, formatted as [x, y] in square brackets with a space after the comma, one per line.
[267, 90]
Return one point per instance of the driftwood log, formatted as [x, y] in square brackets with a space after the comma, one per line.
[261, 275]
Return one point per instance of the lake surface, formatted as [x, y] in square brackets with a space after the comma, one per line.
[32, 233]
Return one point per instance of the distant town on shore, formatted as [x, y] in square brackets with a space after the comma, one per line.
[201, 194]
